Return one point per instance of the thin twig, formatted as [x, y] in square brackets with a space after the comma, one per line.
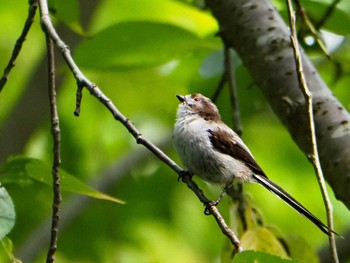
[224, 227]
[327, 14]
[236, 193]
[314, 154]
[33, 5]
[314, 32]
[79, 97]
[230, 78]
[56, 135]
[94, 90]
[212, 210]
[219, 88]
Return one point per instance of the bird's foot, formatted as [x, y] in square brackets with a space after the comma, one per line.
[208, 206]
[183, 174]
[214, 203]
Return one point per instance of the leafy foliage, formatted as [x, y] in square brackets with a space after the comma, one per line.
[20, 169]
[160, 43]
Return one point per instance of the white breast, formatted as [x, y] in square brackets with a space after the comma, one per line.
[192, 143]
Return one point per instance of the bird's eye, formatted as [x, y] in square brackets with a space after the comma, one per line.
[196, 99]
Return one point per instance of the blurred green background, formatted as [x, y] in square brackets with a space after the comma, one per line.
[141, 53]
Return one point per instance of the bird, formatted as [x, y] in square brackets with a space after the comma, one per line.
[211, 150]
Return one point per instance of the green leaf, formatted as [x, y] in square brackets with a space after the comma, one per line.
[250, 256]
[7, 245]
[300, 250]
[262, 239]
[18, 169]
[137, 45]
[7, 213]
[111, 12]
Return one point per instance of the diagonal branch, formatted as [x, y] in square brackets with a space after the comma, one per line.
[327, 14]
[33, 5]
[94, 90]
[312, 29]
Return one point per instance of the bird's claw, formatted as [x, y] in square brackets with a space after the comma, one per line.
[209, 205]
[182, 174]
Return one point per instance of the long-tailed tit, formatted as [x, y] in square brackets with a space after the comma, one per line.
[211, 150]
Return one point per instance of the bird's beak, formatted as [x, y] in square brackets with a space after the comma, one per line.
[180, 97]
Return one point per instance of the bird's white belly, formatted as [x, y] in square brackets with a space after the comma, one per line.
[202, 159]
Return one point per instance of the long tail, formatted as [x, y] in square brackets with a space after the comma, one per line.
[277, 190]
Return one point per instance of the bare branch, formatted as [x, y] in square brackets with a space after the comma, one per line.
[314, 32]
[228, 77]
[314, 154]
[231, 80]
[79, 97]
[224, 227]
[325, 255]
[219, 87]
[33, 4]
[94, 90]
[235, 192]
[56, 135]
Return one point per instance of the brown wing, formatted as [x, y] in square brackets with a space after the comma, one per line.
[225, 142]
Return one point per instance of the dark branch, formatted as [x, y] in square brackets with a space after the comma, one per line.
[231, 80]
[228, 77]
[56, 135]
[219, 87]
[327, 14]
[33, 4]
[79, 96]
